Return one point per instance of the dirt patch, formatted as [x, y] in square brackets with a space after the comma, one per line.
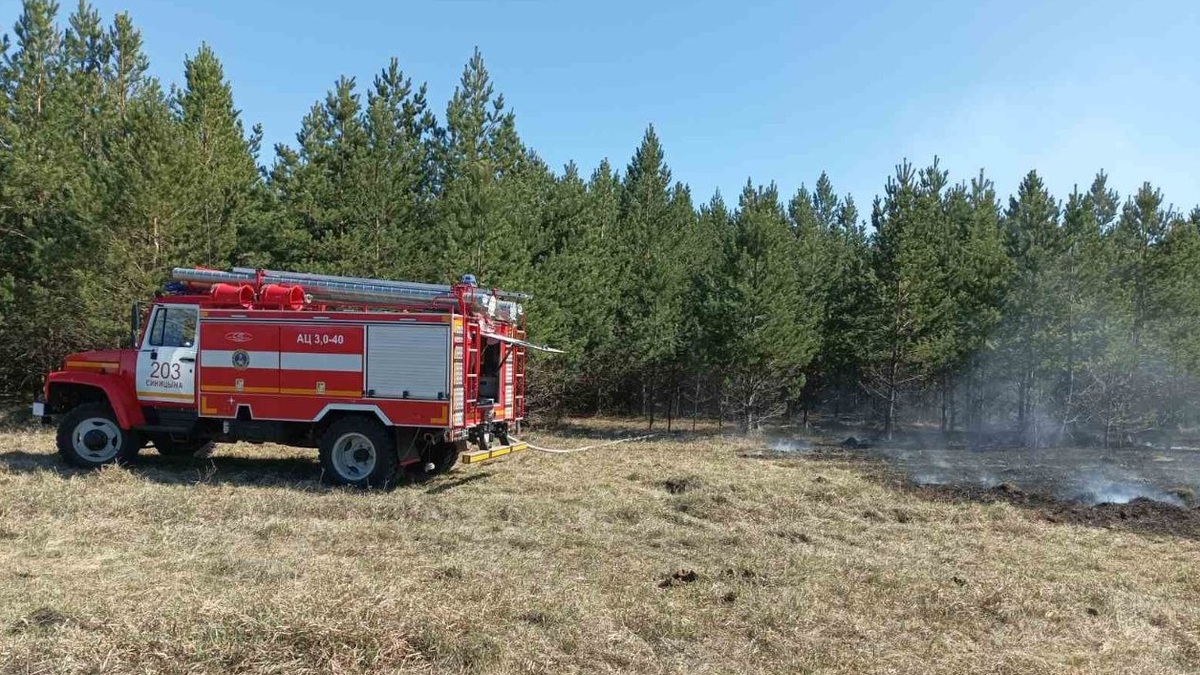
[536, 617]
[743, 574]
[681, 484]
[873, 515]
[45, 618]
[679, 577]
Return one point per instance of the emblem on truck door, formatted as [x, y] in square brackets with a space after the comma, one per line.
[241, 359]
[239, 336]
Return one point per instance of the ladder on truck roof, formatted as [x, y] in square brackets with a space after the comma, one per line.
[496, 303]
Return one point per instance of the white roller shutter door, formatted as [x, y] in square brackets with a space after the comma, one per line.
[412, 358]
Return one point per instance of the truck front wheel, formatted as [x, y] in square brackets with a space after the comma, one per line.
[89, 436]
[358, 451]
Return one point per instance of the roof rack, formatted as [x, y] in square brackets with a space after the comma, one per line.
[330, 289]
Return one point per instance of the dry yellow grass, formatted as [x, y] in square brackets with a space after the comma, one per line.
[561, 564]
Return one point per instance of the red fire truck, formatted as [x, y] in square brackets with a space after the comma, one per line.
[381, 376]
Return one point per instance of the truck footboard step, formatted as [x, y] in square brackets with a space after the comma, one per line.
[477, 456]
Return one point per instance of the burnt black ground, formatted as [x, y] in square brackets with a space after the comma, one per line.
[1075, 474]
[1085, 475]
[1145, 490]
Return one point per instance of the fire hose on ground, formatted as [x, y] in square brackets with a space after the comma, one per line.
[567, 451]
[517, 445]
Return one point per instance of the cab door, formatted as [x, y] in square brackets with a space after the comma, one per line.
[166, 365]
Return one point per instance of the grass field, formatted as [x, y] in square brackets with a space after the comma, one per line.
[688, 554]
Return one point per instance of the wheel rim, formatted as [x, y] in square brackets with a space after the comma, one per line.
[354, 456]
[96, 439]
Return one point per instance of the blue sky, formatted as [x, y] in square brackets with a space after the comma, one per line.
[770, 90]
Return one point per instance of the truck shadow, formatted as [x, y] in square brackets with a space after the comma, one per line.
[297, 473]
[437, 487]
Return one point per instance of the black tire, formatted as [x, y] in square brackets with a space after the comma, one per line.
[446, 456]
[358, 451]
[89, 436]
[168, 447]
[501, 435]
[443, 456]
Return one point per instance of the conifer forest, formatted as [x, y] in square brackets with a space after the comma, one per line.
[1053, 318]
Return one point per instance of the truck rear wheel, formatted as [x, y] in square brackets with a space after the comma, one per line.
[436, 459]
[358, 451]
[89, 436]
[443, 456]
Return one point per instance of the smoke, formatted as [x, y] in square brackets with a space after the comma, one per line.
[1105, 489]
[789, 445]
[939, 466]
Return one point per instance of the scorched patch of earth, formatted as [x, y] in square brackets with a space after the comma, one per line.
[1083, 475]
[1145, 489]
[1140, 514]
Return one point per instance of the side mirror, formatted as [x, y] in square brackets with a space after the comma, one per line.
[135, 324]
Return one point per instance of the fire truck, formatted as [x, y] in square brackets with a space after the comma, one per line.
[384, 378]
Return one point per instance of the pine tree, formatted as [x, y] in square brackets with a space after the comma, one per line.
[1081, 283]
[49, 241]
[912, 332]
[479, 160]
[710, 312]
[834, 263]
[848, 308]
[128, 64]
[395, 179]
[221, 176]
[652, 274]
[315, 184]
[777, 332]
[1134, 369]
[1175, 328]
[145, 213]
[360, 185]
[606, 355]
[982, 283]
[87, 51]
[1142, 227]
[811, 226]
[1033, 241]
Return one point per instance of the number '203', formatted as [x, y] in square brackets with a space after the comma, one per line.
[164, 371]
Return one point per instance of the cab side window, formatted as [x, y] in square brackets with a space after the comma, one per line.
[173, 327]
